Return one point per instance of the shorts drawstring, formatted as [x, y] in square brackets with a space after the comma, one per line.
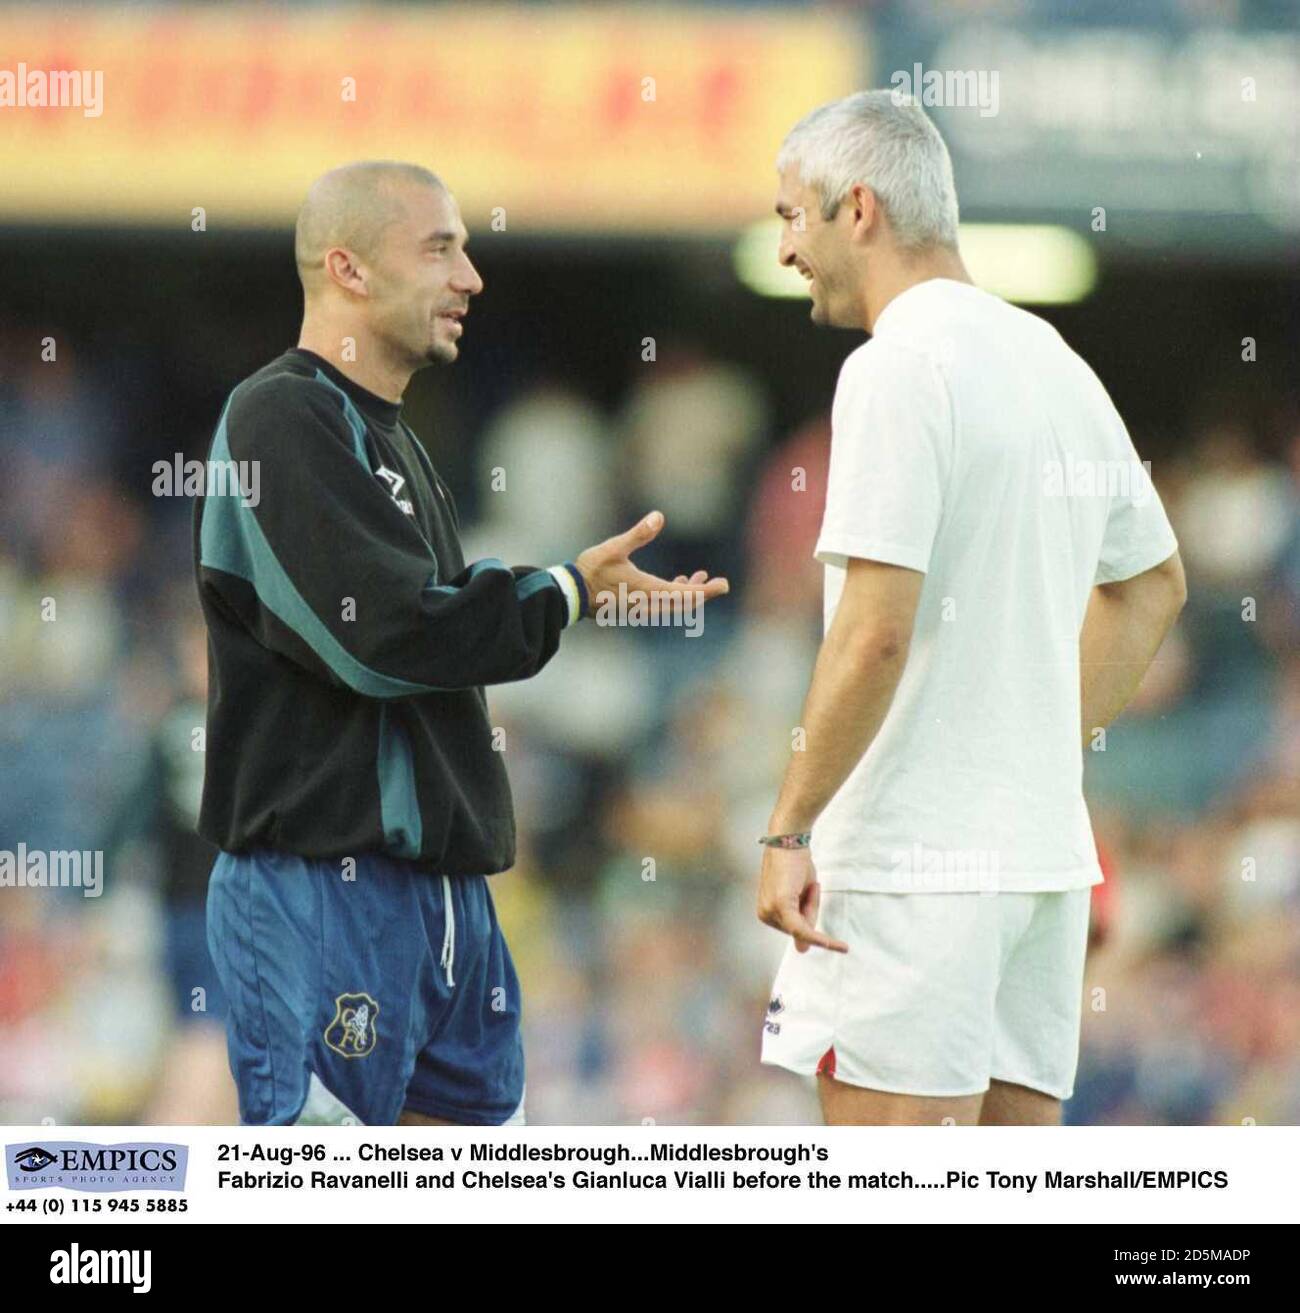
[449, 931]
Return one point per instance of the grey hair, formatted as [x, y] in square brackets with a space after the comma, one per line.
[887, 142]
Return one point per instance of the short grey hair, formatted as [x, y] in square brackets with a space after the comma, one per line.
[885, 141]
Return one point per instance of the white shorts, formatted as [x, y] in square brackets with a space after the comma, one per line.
[938, 993]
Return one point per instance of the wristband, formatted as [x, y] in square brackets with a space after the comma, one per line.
[564, 580]
[801, 840]
[584, 600]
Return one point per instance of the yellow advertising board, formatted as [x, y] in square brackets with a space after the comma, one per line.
[551, 118]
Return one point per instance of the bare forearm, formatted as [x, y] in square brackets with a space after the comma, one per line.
[852, 687]
[1121, 635]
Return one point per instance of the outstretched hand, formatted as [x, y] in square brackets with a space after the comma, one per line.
[608, 566]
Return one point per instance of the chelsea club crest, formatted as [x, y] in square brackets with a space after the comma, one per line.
[352, 1032]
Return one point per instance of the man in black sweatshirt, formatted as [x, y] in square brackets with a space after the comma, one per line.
[351, 781]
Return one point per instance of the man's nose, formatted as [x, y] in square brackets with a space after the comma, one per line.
[785, 252]
[467, 278]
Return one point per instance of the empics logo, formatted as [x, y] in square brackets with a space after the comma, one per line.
[78, 1165]
[75, 1266]
[33, 1159]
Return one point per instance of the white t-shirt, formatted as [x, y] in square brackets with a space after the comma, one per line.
[970, 443]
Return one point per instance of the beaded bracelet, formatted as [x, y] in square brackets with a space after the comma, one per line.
[786, 840]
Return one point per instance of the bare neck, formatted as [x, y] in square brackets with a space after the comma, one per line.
[367, 366]
[900, 274]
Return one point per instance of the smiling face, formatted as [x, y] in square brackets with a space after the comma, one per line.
[421, 279]
[822, 251]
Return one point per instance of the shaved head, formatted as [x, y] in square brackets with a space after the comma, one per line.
[380, 248]
[351, 207]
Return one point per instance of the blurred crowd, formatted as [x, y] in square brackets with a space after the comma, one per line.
[644, 762]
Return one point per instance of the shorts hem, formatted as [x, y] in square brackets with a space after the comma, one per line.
[810, 1069]
[1038, 1087]
[460, 1116]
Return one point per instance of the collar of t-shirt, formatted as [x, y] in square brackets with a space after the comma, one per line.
[910, 296]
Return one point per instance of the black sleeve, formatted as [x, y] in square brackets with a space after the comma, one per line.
[326, 570]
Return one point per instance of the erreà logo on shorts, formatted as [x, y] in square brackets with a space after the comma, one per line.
[75, 1266]
[79, 1165]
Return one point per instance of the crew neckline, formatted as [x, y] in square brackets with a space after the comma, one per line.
[925, 282]
[376, 407]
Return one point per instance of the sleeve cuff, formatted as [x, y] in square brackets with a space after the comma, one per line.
[1137, 562]
[835, 550]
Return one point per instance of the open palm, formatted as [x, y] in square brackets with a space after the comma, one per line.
[608, 566]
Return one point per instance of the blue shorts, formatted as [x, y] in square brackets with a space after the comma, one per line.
[351, 999]
[189, 965]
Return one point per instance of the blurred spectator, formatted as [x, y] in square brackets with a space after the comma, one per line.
[161, 809]
[643, 765]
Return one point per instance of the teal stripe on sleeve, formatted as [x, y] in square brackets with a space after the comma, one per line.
[399, 805]
[533, 583]
[231, 540]
[478, 568]
[353, 417]
[524, 588]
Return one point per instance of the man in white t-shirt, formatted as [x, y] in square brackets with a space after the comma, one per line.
[999, 575]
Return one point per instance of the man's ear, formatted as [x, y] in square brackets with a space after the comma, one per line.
[865, 206]
[341, 267]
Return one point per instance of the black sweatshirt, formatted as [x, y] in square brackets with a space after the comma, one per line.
[347, 642]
